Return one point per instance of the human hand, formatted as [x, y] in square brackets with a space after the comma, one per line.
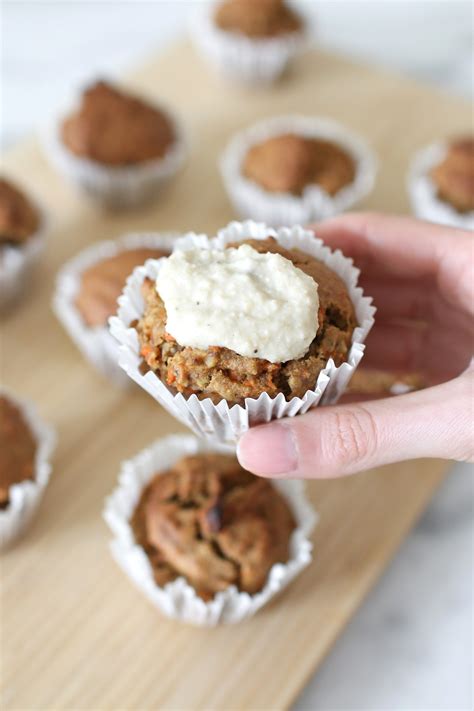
[421, 277]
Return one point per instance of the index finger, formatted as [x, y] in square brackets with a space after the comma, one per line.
[394, 245]
[402, 247]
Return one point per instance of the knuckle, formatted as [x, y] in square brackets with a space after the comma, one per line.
[354, 436]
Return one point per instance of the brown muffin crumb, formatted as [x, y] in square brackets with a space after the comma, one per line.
[219, 373]
[17, 449]
[257, 18]
[368, 381]
[102, 283]
[454, 176]
[288, 163]
[214, 523]
[117, 129]
[19, 219]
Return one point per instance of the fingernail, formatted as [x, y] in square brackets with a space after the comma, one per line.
[268, 450]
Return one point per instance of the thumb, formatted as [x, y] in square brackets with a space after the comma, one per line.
[340, 440]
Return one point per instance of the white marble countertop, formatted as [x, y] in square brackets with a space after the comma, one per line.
[410, 646]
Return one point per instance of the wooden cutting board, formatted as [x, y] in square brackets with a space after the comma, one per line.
[75, 633]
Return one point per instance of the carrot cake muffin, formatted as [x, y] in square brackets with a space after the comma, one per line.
[289, 162]
[261, 19]
[302, 309]
[454, 176]
[213, 523]
[117, 129]
[19, 218]
[102, 283]
[17, 449]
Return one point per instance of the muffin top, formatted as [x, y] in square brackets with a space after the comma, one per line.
[116, 128]
[454, 176]
[17, 449]
[289, 163]
[103, 282]
[257, 18]
[220, 373]
[19, 219]
[214, 523]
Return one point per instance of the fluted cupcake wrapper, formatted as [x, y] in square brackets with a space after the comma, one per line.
[96, 343]
[219, 422]
[117, 188]
[26, 496]
[250, 200]
[423, 193]
[178, 599]
[243, 59]
[17, 265]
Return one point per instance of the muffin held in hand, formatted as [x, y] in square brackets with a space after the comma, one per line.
[87, 289]
[117, 146]
[213, 523]
[25, 446]
[441, 183]
[249, 326]
[218, 372]
[296, 170]
[20, 239]
[247, 40]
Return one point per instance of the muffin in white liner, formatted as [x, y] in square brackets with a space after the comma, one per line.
[26, 496]
[250, 200]
[17, 264]
[221, 422]
[178, 599]
[122, 187]
[423, 192]
[96, 343]
[253, 61]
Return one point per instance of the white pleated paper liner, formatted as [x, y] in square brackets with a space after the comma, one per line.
[17, 264]
[250, 200]
[96, 343]
[240, 58]
[26, 496]
[423, 192]
[178, 599]
[117, 188]
[220, 422]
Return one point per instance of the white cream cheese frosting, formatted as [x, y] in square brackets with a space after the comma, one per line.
[257, 305]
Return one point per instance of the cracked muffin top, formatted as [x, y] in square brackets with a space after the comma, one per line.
[454, 176]
[257, 19]
[288, 163]
[17, 449]
[219, 373]
[116, 128]
[103, 282]
[19, 218]
[214, 523]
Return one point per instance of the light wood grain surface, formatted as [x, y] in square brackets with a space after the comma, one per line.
[74, 633]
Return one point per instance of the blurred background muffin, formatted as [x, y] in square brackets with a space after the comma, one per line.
[247, 41]
[441, 182]
[87, 289]
[296, 169]
[26, 445]
[21, 240]
[118, 148]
